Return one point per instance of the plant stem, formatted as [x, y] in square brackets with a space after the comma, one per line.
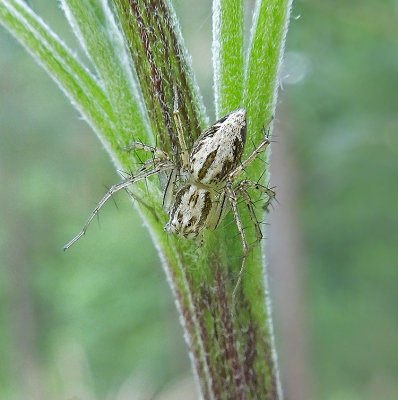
[229, 337]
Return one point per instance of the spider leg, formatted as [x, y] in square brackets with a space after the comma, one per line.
[253, 217]
[236, 173]
[160, 154]
[233, 195]
[169, 190]
[141, 174]
[234, 203]
[180, 133]
[141, 201]
[247, 184]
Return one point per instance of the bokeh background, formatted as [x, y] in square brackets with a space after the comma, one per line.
[98, 322]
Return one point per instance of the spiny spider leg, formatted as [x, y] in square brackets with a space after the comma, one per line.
[234, 203]
[152, 162]
[180, 133]
[233, 194]
[141, 201]
[115, 188]
[247, 184]
[150, 149]
[249, 204]
[236, 173]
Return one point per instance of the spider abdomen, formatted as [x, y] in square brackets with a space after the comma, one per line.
[191, 211]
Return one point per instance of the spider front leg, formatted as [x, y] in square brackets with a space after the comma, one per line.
[158, 166]
[237, 172]
[160, 154]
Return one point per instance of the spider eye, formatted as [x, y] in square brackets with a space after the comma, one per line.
[179, 220]
[189, 224]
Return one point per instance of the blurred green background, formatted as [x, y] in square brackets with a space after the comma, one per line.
[98, 322]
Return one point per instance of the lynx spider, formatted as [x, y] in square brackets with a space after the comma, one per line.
[198, 194]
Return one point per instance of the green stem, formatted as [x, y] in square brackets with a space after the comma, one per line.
[230, 338]
[73, 78]
[228, 60]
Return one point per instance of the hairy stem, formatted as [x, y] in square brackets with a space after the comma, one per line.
[229, 337]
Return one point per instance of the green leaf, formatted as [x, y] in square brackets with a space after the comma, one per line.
[267, 39]
[74, 79]
[96, 30]
[227, 49]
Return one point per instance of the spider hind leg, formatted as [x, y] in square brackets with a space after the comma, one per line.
[241, 190]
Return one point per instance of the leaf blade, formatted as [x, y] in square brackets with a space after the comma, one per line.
[267, 39]
[227, 54]
[48, 50]
[97, 32]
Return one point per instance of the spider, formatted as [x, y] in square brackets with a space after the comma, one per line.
[200, 192]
